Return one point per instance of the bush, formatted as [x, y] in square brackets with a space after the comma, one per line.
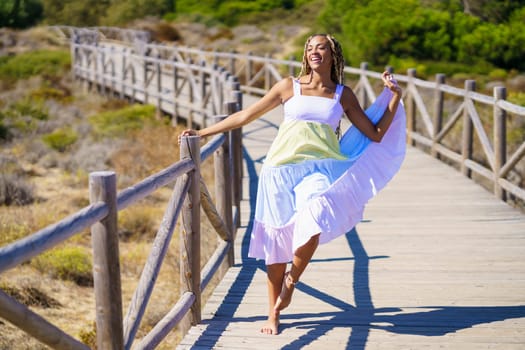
[68, 263]
[15, 190]
[60, 139]
[50, 63]
[30, 296]
[118, 123]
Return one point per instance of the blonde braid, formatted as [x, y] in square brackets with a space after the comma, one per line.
[337, 73]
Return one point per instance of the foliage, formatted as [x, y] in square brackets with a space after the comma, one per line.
[376, 30]
[118, 123]
[49, 63]
[20, 13]
[89, 336]
[74, 12]
[60, 139]
[124, 11]
[67, 263]
[230, 12]
[30, 296]
[21, 117]
[15, 190]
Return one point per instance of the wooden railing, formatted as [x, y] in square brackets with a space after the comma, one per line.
[459, 126]
[199, 91]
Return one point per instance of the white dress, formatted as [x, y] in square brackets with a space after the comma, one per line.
[312, 183]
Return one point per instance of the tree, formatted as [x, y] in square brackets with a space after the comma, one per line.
[20, 13]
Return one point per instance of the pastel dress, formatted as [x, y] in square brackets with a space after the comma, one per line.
[312, 183]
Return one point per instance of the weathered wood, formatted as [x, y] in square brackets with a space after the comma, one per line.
[150, 184]
[36, 326]
[467, 136]
[152, 267]
[167, 323]
[30, 246]
[500, 140]
[106, 264]
[190, 232]
[236, 154]
[411, 106]
[223, 186]
[212, 213]
[438, 112]
[363, 98]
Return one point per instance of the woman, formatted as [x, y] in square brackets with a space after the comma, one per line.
[313, 188]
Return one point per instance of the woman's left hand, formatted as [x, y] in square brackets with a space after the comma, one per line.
[391, 83]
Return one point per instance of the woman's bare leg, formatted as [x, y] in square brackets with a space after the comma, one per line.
[275, 275]
[301, 258]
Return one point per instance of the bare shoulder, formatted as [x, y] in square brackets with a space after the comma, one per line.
[348, 98]
[284, 88]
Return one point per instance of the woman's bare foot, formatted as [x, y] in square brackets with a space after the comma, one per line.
[272, 325]
[284, 299]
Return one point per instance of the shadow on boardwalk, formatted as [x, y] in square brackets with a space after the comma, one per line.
[359, 319]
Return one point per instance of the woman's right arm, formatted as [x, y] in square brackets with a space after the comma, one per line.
[271, 100]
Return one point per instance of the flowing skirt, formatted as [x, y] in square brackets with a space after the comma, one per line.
[326, 196]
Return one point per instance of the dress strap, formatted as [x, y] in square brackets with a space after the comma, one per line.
[296, 87]
[338, 92]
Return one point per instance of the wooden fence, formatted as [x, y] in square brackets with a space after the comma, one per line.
[459, 126]
[199, 92]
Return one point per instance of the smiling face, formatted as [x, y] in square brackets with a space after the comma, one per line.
[318, 53]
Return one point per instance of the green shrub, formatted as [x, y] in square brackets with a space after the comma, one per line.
[118, 123]
[50, 63]
[14, 190]
[12, 231]
[60, 139]
[67, 263]
[89, 336]
[51, 93]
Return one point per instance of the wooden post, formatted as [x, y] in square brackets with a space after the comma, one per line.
[175, 117]
[467, 137]
[106, 266]
[158, 71]
[223, 187]
[291, 68]
[190, 233]
[236, 152]
[189, 121]
[363, 98]
[123, 74]
[249, 68]
[232, 63]
[113, 73]
[438, 112]
[145, 77]
[411, 106]
[500, 140]
[267, 75]
[203, 85]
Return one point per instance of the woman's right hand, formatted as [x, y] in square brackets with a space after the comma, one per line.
[187, 132]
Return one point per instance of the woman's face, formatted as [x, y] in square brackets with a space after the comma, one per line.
[318, 53]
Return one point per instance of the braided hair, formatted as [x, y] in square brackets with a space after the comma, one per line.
[337, 72]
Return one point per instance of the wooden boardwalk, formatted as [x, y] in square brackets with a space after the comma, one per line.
[437, 263]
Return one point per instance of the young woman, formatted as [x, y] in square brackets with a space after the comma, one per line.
[313, 187]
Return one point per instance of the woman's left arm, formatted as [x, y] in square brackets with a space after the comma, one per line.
[358, 117]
